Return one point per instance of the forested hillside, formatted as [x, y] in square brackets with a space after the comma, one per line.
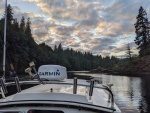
[21, 49]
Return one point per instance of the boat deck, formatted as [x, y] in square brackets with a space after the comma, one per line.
[57, 92]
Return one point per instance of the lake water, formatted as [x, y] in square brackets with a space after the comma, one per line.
[132, 94]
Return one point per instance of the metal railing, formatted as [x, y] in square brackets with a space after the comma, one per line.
[3, 86]
[74, 82]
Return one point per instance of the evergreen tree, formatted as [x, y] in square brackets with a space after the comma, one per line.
[55, 48]
[28, 28]
[60, 55]
[9, 14]
[16, 25]
[129, 52]
[60, 47]
[142, 27]
[22, 24]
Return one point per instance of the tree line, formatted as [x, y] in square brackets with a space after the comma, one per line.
[21, 49]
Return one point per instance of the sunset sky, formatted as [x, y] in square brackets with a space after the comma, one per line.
[102, 27]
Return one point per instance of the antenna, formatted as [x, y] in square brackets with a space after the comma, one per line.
[4, 50]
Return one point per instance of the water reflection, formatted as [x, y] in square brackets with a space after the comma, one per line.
[145, 101]
[132, 94]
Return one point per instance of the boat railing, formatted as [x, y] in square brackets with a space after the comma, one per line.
[91, 84]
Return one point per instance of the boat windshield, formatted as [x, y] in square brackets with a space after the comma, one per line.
[45, 111]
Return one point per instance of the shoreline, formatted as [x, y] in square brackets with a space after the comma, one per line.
[125, 73]
[132, 73]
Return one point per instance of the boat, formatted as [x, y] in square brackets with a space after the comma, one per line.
[54, 93]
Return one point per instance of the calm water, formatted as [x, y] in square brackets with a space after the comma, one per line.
[132, 94]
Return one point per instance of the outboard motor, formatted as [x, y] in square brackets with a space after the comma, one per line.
[52, 72]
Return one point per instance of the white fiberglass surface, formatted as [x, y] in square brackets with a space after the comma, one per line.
[57, 88]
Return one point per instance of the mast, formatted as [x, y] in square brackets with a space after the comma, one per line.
[4, 49]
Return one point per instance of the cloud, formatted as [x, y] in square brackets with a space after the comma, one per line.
[105, 21]
[102, 44]
[66, 9]
[2, 7]
[124, 13]
[99, 26]
[63, 30]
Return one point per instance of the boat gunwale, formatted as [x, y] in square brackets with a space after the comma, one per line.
[56, 102]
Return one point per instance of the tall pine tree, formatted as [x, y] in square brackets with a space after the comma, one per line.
[16, 25]
[9, 15]
[28, 28]
[22, 24]
[129, 52]
[142, 27]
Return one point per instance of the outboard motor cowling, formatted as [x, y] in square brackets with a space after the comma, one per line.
[52, 72]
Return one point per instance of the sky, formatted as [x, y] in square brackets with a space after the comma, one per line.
[102, 27]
